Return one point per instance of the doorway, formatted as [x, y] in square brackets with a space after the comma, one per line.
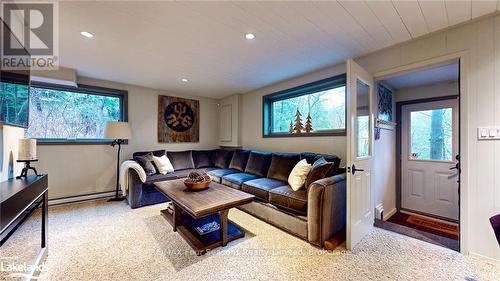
[426, 155]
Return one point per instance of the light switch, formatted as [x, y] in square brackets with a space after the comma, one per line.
[488, 133]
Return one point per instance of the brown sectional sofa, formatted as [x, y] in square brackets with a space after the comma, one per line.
[314, 214]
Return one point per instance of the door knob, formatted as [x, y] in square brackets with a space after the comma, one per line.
[456, 167]
[353, 169]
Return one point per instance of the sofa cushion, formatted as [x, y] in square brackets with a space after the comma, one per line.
[319, 170]
[281, 165]
[157, 153]
[239, 160]
[223, 158]
[217, 174]
[285, 197]
[203, 158]
[183, 173]
[258, 163]
[260, 187]
[181, 159]
[151, 179]
[237, 179]
[309, 156]
[146, 162]
[208, 169]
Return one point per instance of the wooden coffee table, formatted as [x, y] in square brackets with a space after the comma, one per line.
[192, 210]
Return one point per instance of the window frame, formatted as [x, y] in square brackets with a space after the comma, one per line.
[90, 90]
[302, 90]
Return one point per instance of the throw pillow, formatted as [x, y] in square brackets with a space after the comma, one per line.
[146, 162]
[299, 174]
[163, 164]
[319, 170]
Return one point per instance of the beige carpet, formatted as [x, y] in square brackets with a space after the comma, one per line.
[109, 241]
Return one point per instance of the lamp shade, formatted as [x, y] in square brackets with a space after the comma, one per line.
[27, 149]
[118, 131]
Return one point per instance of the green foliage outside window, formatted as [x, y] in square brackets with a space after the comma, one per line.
[58, 114]
[431, 134]
[14, 104]
[327, 110]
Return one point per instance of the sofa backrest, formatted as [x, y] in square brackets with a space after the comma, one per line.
[181, 159]
[258, 163]
[203, 158]
[281, 165]
[223, 158]
[239, 160]
[157, 153]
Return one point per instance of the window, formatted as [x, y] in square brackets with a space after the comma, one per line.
[314, 109]
[59, 114]
[431, 134]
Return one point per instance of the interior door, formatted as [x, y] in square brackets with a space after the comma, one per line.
[429, 158]
[360, 122]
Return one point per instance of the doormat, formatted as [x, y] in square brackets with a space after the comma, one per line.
[435, 225]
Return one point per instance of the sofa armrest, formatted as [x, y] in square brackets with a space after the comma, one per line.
[326, 208]
[134, 193]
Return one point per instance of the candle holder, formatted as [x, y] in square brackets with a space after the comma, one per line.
[27, 167]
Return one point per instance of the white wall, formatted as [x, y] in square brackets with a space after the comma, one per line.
[85, 169]
[251, 129]
[427, 91]
[481, 41]
[9, 145]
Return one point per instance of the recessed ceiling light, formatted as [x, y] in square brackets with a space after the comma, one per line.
[249, 36]
[184, 80]
[87, 34]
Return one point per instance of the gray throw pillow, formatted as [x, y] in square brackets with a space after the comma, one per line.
[319, 170]
[146, 162]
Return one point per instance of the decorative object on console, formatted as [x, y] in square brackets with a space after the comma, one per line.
[309, 127]
[290, 130]
[197, 181]
[178, 119]
[298, 127]
[118, 132]
[26, 155]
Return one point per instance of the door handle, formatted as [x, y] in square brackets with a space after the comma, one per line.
[353, 169]
[456, 167]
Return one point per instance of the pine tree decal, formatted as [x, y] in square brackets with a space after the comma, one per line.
[309, 127]
[298, 123]
[290, 130]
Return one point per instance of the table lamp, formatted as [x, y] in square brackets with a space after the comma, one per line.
[26, 155]
[118, 132]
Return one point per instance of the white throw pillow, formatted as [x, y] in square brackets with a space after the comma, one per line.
[299, 174]
[163, 164]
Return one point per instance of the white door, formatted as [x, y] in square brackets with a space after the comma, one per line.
[360, 208]
[429, 158]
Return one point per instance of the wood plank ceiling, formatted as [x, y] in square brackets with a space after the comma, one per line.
[155, 44]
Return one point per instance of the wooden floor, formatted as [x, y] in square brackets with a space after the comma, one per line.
[399, 223]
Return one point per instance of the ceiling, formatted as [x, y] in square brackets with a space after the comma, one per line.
[156, 44]
[446, 73]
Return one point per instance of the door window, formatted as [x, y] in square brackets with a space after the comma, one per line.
[431, 135]
[363, 119]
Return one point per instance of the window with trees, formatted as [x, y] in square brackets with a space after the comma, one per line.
[73, 115]
[313, 109]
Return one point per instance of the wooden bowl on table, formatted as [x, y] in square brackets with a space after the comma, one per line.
[196, 186]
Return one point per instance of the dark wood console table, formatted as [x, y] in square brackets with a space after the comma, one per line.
[19, 198]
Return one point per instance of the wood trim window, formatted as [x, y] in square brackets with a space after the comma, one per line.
[322, 105]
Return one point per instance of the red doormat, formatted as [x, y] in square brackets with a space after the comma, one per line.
[434, 225]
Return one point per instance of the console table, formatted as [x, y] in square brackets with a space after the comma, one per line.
[19, 198]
